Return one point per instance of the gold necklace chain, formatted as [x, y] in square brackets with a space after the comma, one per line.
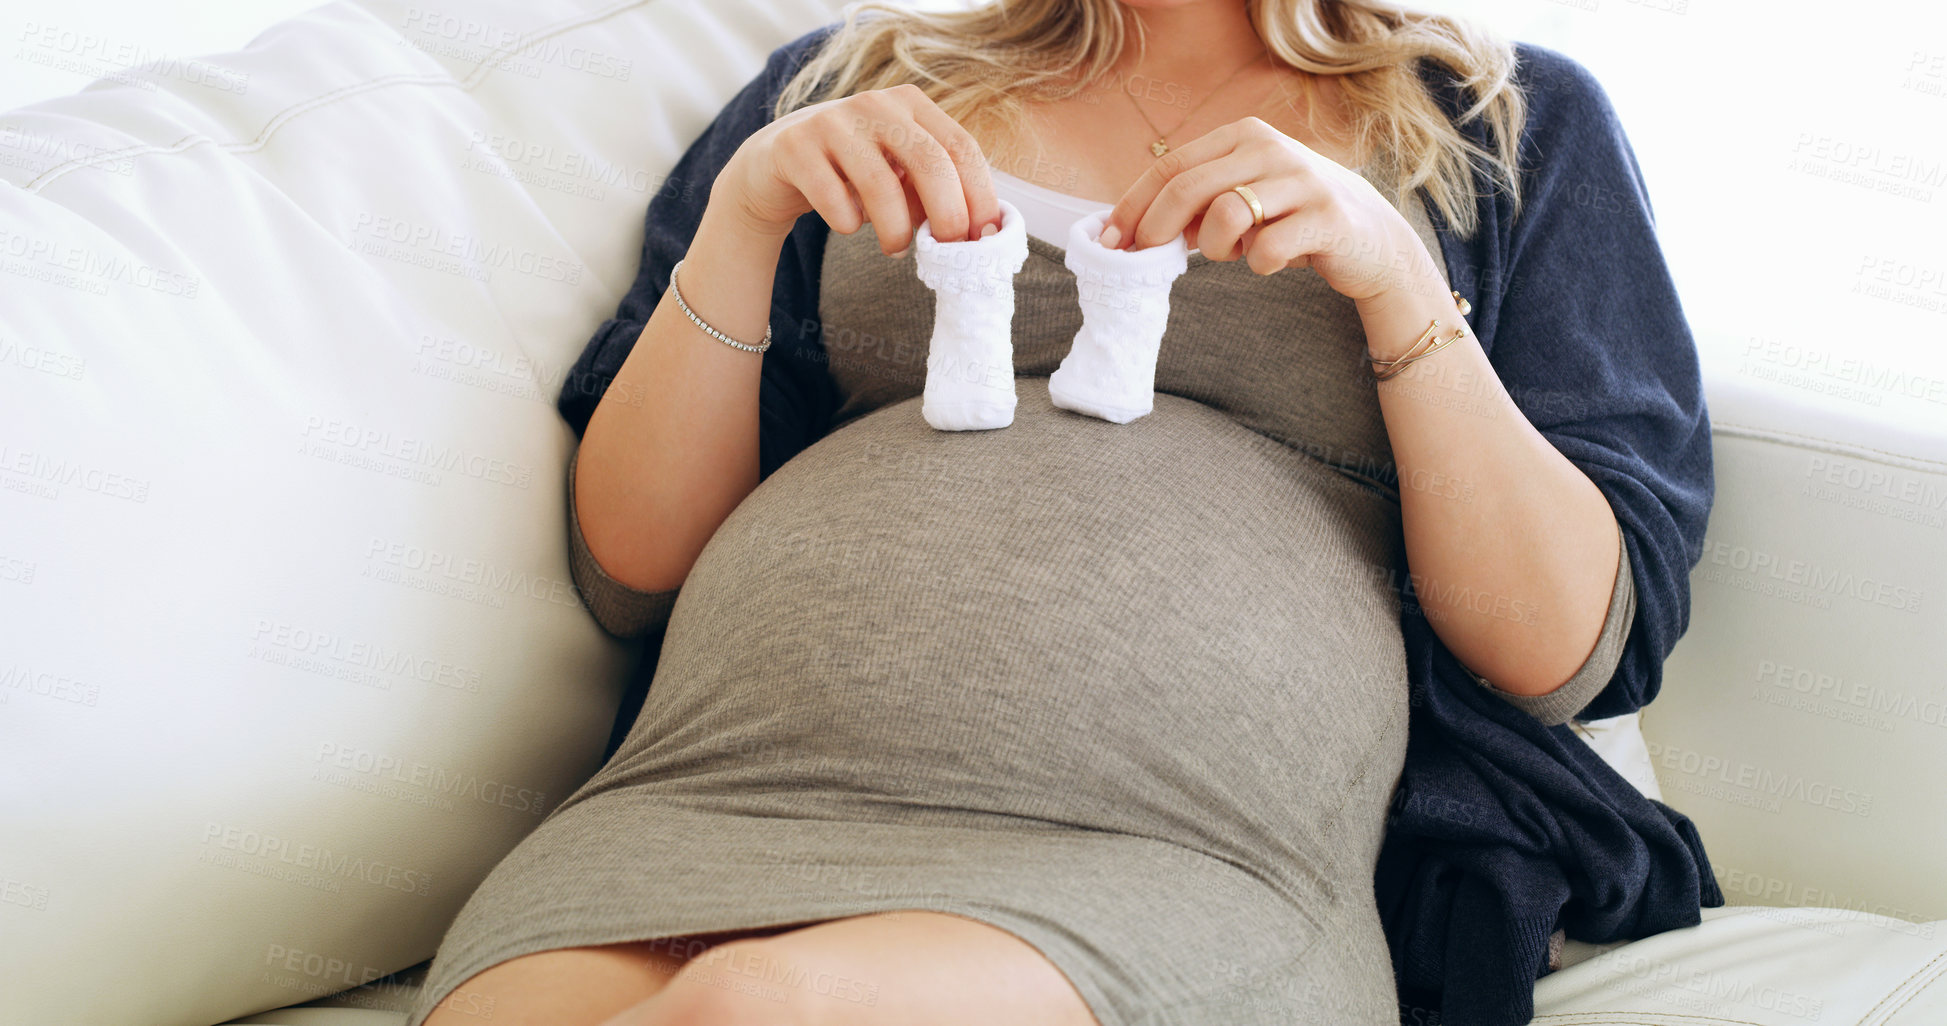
[1162, 143]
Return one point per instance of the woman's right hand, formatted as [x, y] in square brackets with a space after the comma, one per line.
[888, 157]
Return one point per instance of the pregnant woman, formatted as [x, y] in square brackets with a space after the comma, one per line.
[1072, 721]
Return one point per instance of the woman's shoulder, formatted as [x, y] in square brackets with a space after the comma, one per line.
[784, 62]
[793, 54]
[1562, 95]
[754, 101]
[1574, 150]
[1556, 76]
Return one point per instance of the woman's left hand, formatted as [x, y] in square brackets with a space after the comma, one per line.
[1317, 213]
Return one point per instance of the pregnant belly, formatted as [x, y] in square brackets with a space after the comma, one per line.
[1175, 627]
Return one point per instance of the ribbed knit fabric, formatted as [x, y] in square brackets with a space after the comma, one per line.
[1054, 677]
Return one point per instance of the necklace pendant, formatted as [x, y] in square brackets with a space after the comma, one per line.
[1159, 147]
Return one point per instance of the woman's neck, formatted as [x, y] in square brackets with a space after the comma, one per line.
[1195, 43]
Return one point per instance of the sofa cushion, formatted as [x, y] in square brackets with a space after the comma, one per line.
[1747, 966]
[1803, 719]
[291, 652]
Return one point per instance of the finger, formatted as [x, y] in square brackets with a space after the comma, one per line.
[931, 175]
[829, 195]
[1227, 224]
[1197, 190]
[881, 193]
[1220, 231]
[1288, 241]
[976, 181]
[1136, 200]
[1192, 234]
[915, 212]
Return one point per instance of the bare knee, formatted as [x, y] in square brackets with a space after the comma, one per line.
[750, 982]
[563, 986]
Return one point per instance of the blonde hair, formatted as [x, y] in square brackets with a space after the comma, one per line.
[981, 66]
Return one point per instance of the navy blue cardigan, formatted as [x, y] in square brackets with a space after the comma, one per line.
[1502, 830]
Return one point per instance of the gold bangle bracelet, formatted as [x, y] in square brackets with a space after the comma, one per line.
[1396, 366]
[1430, 329]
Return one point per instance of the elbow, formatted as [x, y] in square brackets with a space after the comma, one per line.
[1535, 658]
[1524, 681]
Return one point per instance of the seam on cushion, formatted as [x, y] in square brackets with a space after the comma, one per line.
[285, 116]
[1918, 982]
[276, 121]
[1833, 444]
[549, 32]
[1649, 1019]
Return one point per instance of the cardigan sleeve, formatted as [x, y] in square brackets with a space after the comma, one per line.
[1591, 341]
[796, 396]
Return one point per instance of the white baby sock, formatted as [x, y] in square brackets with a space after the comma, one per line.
[970, 358]
[1110, 371]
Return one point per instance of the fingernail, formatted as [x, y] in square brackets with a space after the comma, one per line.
[989, 230]
[1110, 237]
[902, 253]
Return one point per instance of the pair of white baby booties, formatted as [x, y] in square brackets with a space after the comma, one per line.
[1110, 370]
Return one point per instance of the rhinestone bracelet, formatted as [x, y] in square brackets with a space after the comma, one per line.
[713, 333]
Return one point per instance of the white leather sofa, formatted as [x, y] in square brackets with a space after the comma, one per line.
[288, 657]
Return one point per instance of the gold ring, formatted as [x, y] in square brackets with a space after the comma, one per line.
[1257, 209]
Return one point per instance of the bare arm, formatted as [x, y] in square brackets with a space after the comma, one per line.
[685, 455]
[659, 471]
[1516, 580]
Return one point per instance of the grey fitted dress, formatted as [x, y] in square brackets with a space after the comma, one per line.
[1134, 693]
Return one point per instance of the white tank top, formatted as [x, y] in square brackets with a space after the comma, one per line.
[1048, 213]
